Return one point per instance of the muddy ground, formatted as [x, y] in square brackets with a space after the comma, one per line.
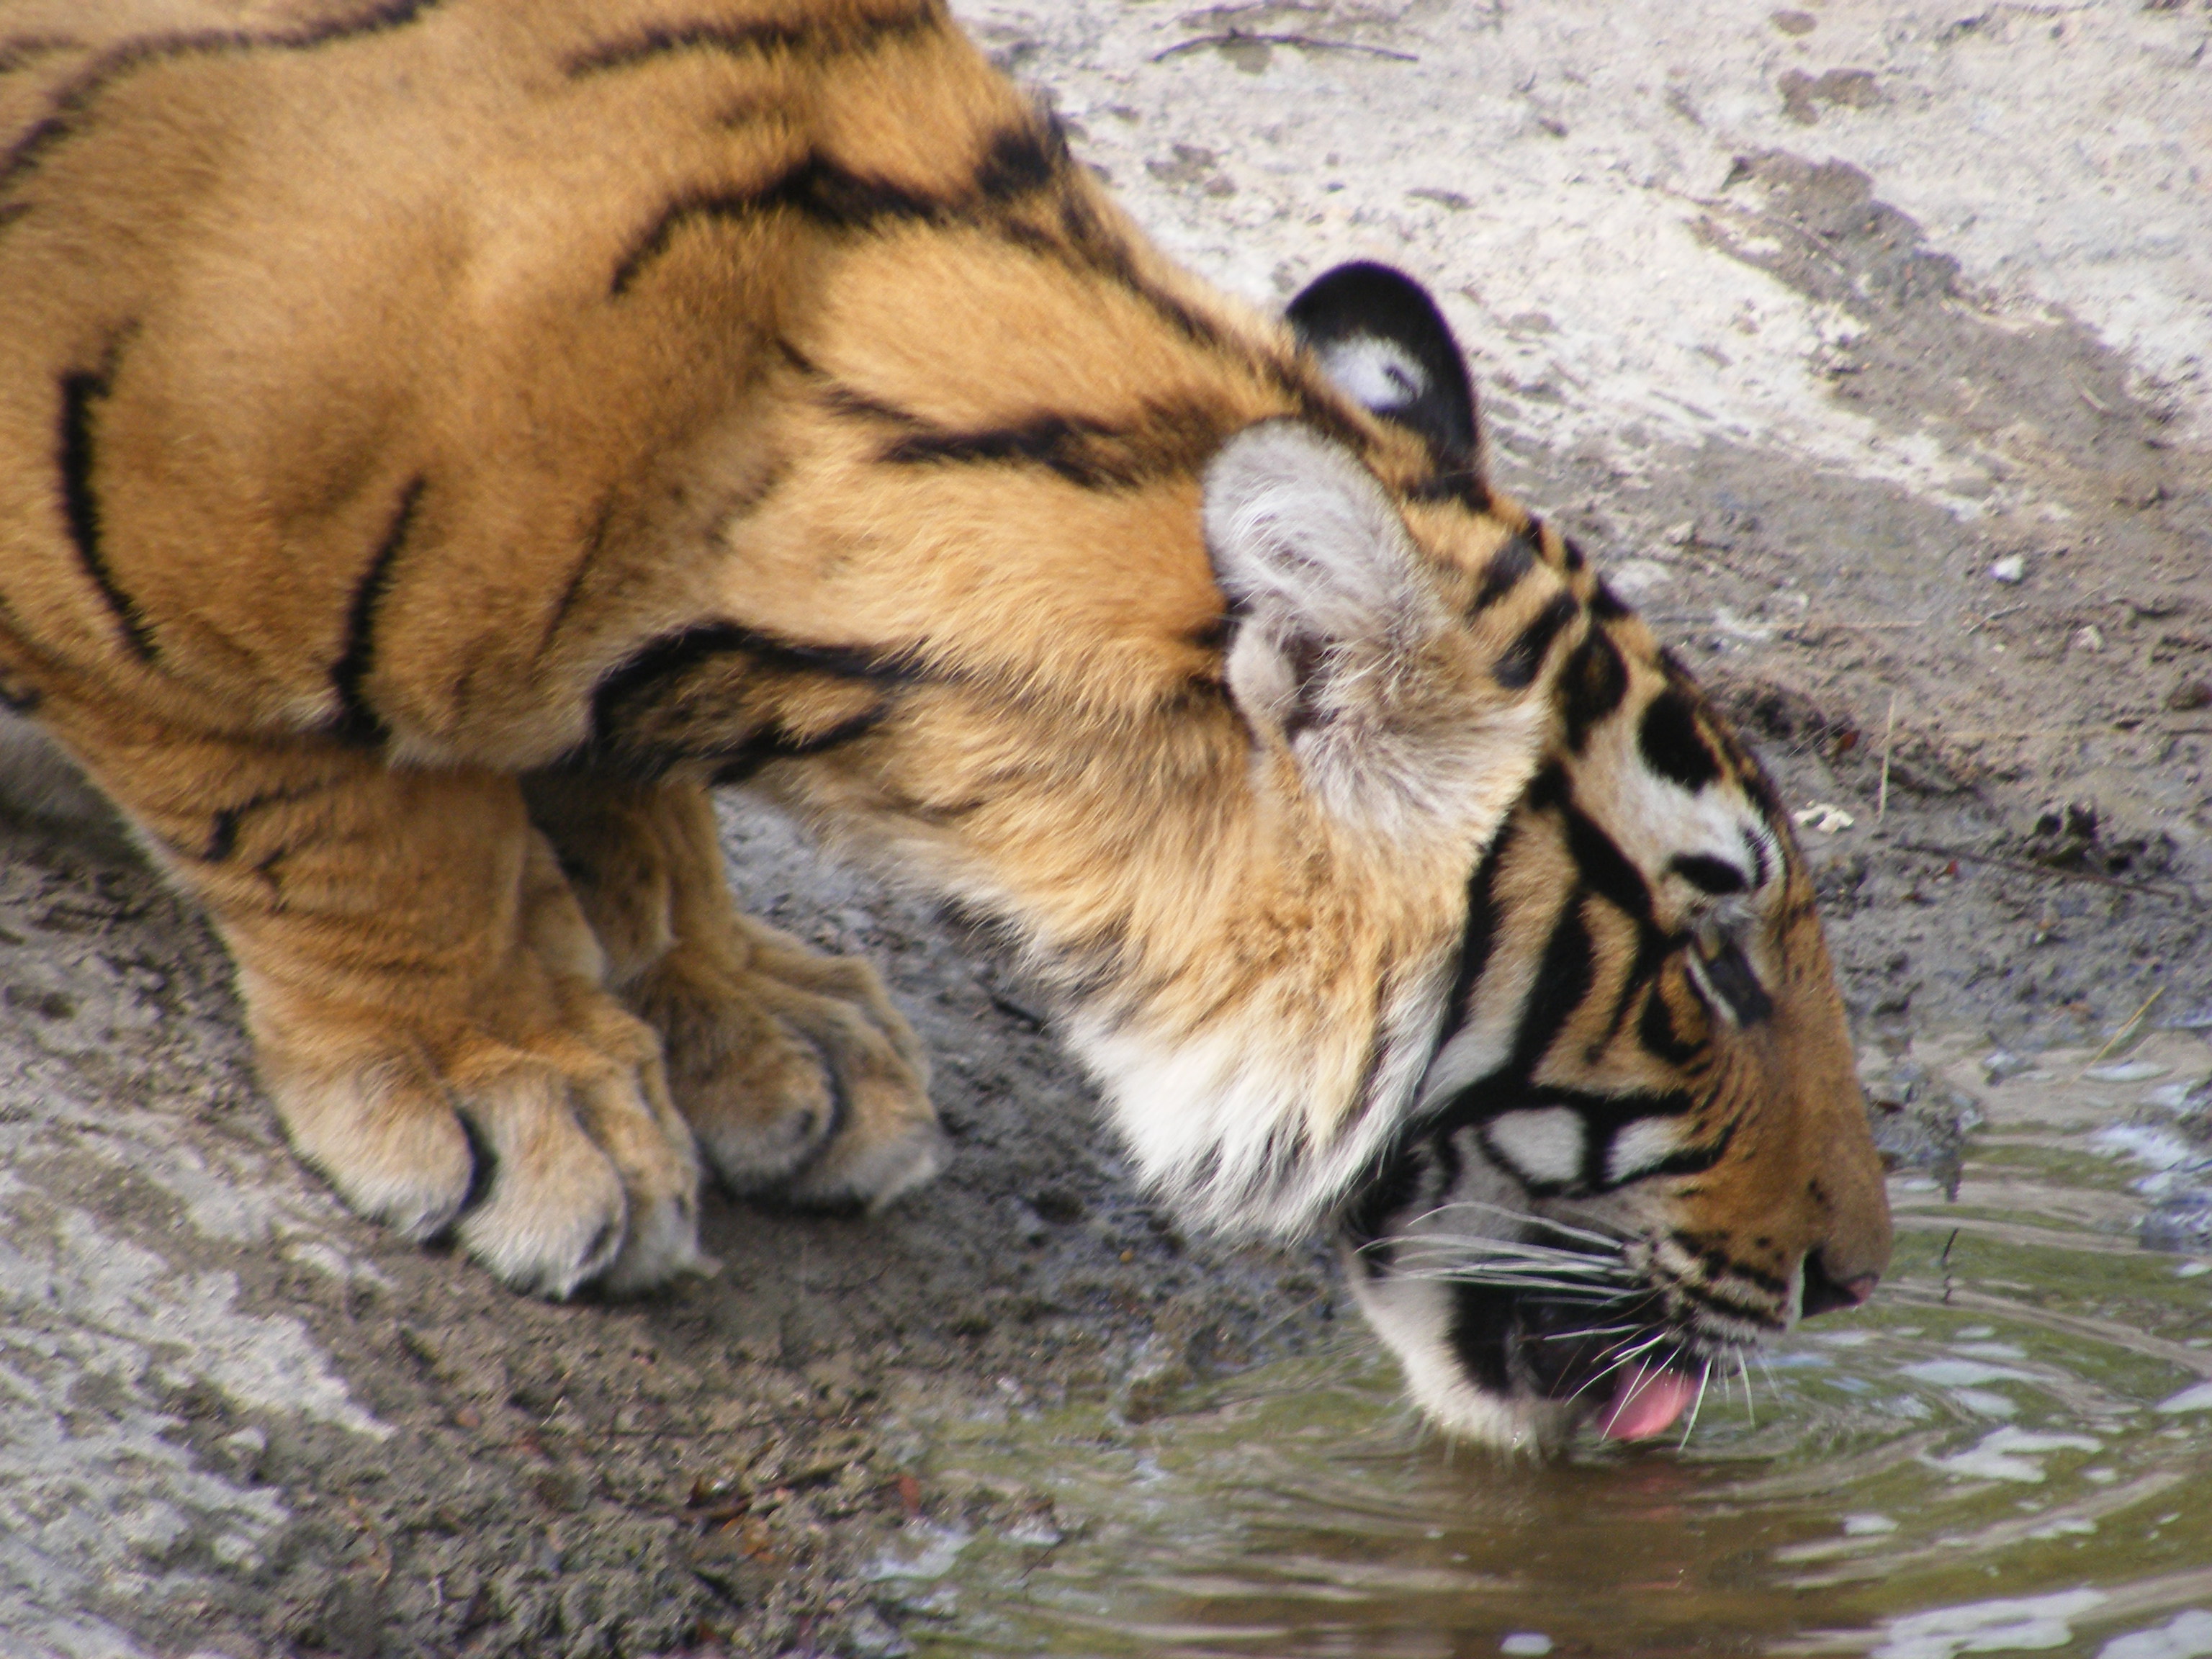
[1731, 323]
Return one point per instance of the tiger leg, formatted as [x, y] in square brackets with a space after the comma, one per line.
[425, 998]
[796, 1073]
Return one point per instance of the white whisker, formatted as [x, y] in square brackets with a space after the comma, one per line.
[1705, 1380]
[1608, 1241]
[1626, 1359]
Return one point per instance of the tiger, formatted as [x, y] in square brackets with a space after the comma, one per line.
[443, 441]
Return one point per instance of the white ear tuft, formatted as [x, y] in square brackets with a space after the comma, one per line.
[1344, 652]
[1377, 373]
[1303, 541]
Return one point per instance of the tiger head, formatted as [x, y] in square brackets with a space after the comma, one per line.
[1636, 1148]
[1391, 880]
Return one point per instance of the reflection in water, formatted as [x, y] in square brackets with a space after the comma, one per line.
[2010, 1451]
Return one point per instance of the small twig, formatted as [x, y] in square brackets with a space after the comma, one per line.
[1304, 42]
[2179, 895]
[1994, 616]
[2101, 408]
[2128, 1028]
[1888, 731]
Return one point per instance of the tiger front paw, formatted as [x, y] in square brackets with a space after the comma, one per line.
[556, 1159]
[798, 1077]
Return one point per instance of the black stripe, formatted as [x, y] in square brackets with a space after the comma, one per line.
[780, 745]
[1017, 161]
[1655, 1030]
[845, 400]
[1519, 662]
[1727, 1268]
[673, 655]
[223, 827]
[752, 39]
[1604, 1117]
[1592, 686]
[1091, 248]
[60, 120]
[1469, 488]
[1562, 985]
[1709, 874]
[1738, 986]
[223, 835]
[1503, 573]
[21, 50]
[817, 187]
[80, 506]
[1482, 1326]
[1049, 440]
[594, 541]
[1672, 744]
[1605, 605]
[1605, 867]
[356, 721]
[643, 721]
[1479, 937]
[1164, 440]
[1022, 161]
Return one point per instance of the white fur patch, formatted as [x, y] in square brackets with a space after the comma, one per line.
[1233, 1126]
[1380, 374]
[1545, 1145]
[1640, 1147]
[1413, 1317]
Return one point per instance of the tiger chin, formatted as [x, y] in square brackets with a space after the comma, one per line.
[442, 440]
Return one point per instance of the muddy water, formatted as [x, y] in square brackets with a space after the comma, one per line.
[2010, 1451]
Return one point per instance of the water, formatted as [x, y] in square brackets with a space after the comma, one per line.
[2010, 1451]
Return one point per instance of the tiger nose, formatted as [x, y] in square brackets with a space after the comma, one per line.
[1824, 1292]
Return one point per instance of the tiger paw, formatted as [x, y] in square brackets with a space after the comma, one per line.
[798, 1077]
[557, 1159]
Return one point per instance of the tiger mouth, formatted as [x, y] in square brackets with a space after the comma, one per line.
[1630, 1363]
[1630, 1372]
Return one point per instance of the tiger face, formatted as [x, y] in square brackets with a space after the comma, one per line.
[1638, 1148]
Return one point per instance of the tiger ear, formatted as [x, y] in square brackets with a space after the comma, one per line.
[1344, 652]
[1380, 339]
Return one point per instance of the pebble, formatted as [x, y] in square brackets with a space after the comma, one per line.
[1526, 1640]
[2188, 694]
[2010, 568]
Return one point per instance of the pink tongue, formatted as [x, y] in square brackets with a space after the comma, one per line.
[1647, 1402]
